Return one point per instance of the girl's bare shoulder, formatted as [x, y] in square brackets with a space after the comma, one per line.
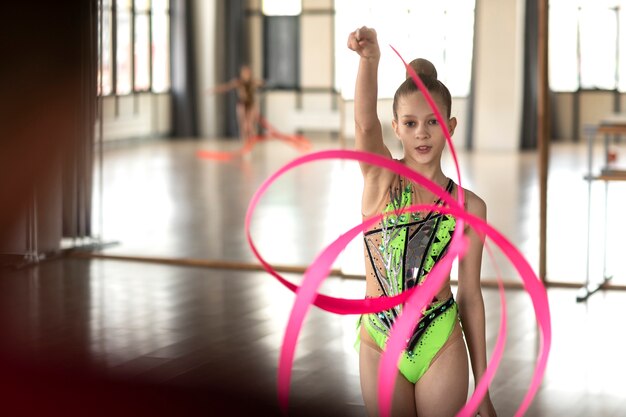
[376, 188]
[474, 204]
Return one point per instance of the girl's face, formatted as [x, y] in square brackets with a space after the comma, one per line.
[245, 72]
[418, 129]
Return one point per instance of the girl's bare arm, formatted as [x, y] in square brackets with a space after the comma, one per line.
[368, 130]
[470, 300]
[222, 88]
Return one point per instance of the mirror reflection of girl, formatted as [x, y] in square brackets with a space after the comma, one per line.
[247, 112]
[402, 248]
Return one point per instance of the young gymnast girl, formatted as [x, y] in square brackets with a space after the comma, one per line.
[246, 86]
[402, 248]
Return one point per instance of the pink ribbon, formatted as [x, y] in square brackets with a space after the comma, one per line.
[299, 142]
[414, 300]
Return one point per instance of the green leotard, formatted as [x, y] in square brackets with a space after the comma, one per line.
[401, 252]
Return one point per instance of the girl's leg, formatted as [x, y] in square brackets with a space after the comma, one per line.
[250, 120]
[241, 122]
[403, 399]
[442, 390]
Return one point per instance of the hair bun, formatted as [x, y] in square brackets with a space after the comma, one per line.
[423, 68]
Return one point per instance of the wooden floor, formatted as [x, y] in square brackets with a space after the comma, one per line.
[101, 337]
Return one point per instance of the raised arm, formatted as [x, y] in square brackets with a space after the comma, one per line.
[470, 301]
[222, 88]
[368, 131]
[369, 136]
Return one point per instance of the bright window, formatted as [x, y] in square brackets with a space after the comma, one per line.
[585, 49]
[123, 46]
[142, 45]
[563, 49]
[133, 46]
[105, 49]
[282, 7]
[444, 37]
[160, 46]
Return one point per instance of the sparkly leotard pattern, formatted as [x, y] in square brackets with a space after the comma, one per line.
[246, 93]
[400, 253]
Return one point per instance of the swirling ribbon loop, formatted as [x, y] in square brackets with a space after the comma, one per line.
[414, 300]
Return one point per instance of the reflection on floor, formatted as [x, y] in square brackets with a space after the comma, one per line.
[105, 337]
[160, 200]
[126, 338]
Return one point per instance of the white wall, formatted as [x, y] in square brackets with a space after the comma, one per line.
[205, 21]
[137, 116]
[317, 4]
[317, 50]
[594, 107]
[498, 77]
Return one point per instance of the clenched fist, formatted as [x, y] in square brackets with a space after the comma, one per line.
[363, 41]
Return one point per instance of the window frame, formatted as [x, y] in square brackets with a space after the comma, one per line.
[110, 6]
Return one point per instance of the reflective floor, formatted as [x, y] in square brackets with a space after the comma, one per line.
[105, 337]
[159, 199]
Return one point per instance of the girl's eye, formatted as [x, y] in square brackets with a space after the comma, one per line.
[433, 121]
[409, 124]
